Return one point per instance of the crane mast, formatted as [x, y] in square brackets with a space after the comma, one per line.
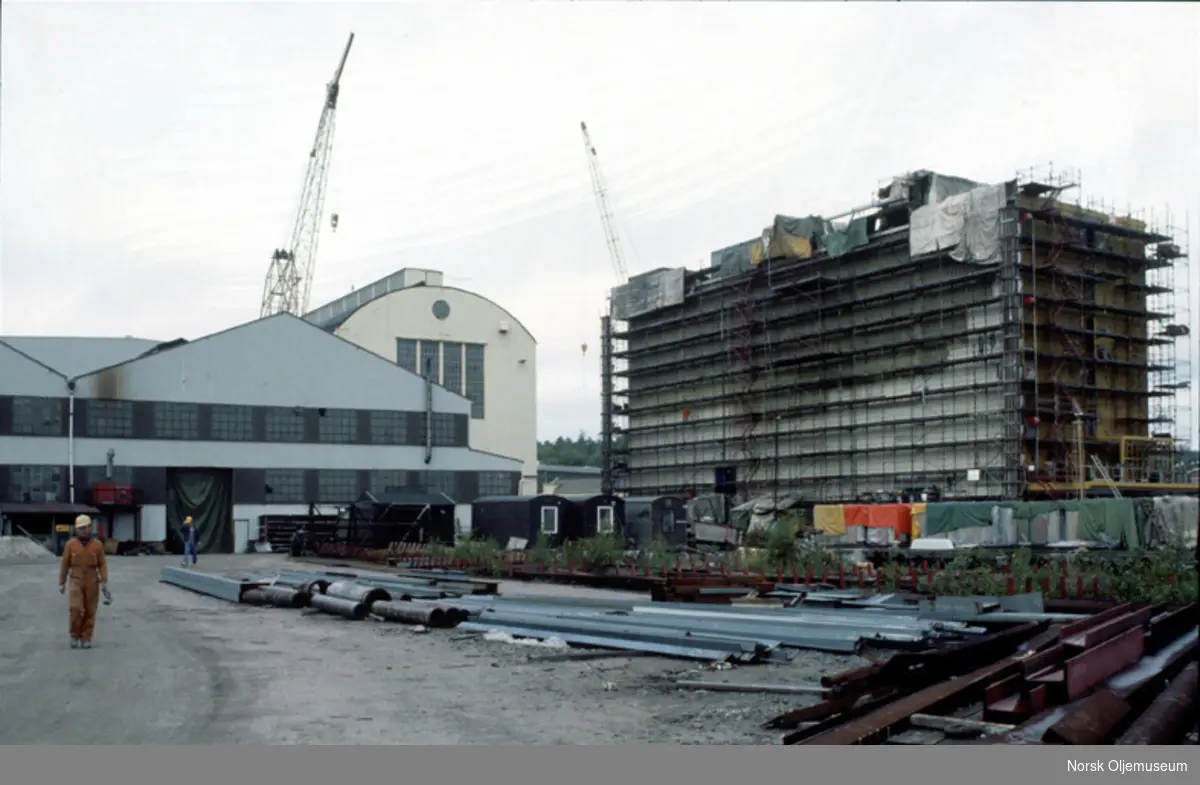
[290, 275]
[606, 215]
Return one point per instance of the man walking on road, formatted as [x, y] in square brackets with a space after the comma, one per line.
[83, 560]
[189, 541]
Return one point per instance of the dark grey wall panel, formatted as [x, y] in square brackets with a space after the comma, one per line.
[260, 424]
[249, 486]
[4, 485]
[416, 429]
[143, 420]
[363, 432]
[151, 481]
[6, 413]
[466, 487]
[312, 485]
[204, 417]
[462, 425]
[312, 425]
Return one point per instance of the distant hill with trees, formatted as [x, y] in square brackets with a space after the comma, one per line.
[583, 450]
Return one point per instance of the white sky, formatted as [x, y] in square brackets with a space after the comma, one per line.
[152, 153]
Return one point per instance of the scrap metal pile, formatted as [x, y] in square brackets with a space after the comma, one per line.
[780, 620]
[412, 598]
[1124, 676]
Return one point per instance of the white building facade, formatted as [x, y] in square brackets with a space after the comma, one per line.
[277, 412]
[462, 341]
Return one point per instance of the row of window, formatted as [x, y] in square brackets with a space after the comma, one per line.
[210, 422]
[456, 366]
[278, 486]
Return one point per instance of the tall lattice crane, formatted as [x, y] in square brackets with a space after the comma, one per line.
[289, 278]
[606, 215]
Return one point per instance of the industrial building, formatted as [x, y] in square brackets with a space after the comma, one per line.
[947, 339]
[231, 426]
[462, 341]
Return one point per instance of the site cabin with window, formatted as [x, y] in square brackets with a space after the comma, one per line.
[595, 515]
[226, 428]
[520, 522]
[648, 518]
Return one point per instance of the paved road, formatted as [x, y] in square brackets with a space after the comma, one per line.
[170, 666]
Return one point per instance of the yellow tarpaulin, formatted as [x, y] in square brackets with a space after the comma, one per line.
[918, 515]
[829, 518]
[786, 246]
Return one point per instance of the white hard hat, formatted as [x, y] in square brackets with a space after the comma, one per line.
[83, 522]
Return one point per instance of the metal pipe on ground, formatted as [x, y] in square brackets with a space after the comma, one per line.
[1170, 716]
[276, 596]
[429, 615]
[358, 592]
[339, 606]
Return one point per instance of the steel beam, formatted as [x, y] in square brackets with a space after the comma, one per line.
[219, 586]
[1093, 636]
[1089, 668]
[666, 647]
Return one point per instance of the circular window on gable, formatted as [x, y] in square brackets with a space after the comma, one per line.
[441, 309]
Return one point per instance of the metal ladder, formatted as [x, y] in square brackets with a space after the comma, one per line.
[1098, 465]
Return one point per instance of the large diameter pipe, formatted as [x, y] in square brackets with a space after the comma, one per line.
[339, 606]
[429, 615]
[275, 596]
[358, 592]
[1169, 716]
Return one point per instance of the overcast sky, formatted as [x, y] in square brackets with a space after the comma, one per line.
[152, 152]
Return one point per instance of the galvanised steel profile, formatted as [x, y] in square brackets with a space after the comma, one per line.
[835, 640]
[695, 650]
[218, 586]
[551, 626]
[397, 587]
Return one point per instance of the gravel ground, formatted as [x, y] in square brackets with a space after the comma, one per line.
[170, 666]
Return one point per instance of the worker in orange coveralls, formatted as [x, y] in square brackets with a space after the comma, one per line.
[83, 559]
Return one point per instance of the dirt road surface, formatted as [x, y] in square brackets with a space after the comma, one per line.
[171, 666]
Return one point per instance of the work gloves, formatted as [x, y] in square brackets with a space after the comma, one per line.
[106, 593]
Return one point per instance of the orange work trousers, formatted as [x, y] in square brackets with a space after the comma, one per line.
[84, 599]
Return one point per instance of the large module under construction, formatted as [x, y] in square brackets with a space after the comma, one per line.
[951, 338]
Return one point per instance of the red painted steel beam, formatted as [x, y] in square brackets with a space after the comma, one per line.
[1096, 664]
[1077, 627]
[1086, 639]
[877, 725]
[1091, 722]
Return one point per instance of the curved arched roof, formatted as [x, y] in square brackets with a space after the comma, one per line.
[335, 322]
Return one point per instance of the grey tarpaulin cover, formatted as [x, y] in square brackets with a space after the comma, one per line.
[735, 258]
[649, 292]
[966, 224]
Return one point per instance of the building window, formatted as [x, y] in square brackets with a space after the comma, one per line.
[549, 520]
[389, 427]
[337, 486]
[606, 518]
[338, 426]
[285, 424]
[452, 367]
[232, 423]
[473, 389]
[109, 419]
[37, 417]
[285, 486]
[176, 420]
[440, 482]
[442, 431]
[389, 481]
[406, 354]
[430, 354]
[121, 475]
[496, 484]
[35, 483]
[441, 310]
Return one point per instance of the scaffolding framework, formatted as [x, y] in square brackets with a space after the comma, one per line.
[874, 369]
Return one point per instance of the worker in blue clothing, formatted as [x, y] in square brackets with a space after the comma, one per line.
[189, 540]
